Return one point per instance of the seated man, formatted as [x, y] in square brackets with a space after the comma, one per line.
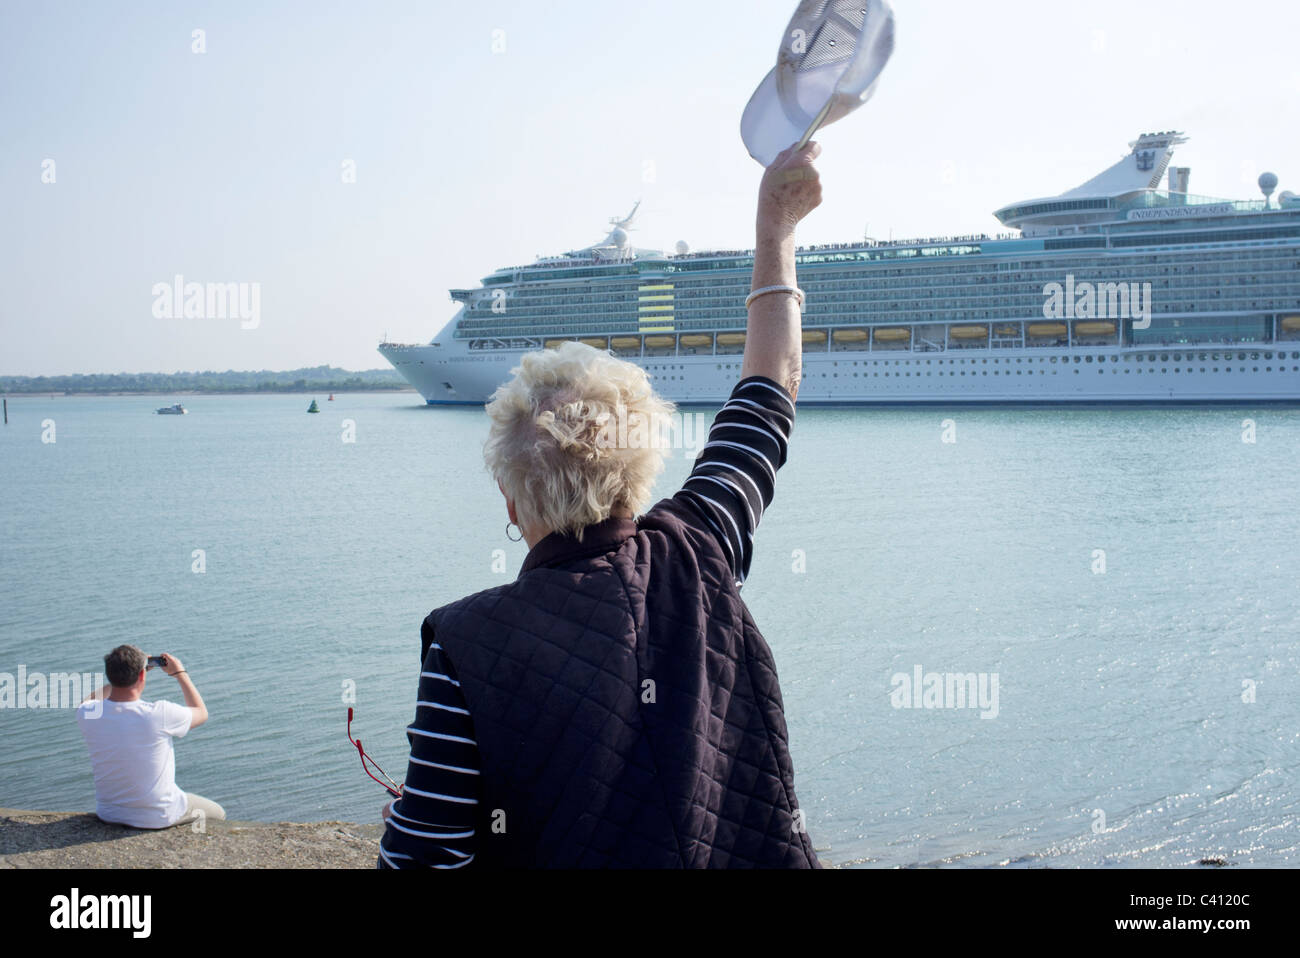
[130, 743]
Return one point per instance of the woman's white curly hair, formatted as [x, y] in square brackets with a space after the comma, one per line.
[550, 445]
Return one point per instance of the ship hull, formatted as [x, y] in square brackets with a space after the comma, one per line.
[452, 374]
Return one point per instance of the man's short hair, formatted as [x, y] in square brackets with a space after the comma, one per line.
[122, 666]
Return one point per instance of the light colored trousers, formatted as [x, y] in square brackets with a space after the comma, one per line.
[196, 805]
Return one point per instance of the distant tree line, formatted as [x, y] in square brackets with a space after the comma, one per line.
[315, 379]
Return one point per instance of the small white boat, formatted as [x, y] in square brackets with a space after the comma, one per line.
[174, 410]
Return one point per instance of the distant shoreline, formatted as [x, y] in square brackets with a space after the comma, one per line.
[63, 394]
[230, 382]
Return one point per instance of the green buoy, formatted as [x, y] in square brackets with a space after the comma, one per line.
[313, 407]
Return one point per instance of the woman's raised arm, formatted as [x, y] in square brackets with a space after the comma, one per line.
[790, 190]
[735, 476]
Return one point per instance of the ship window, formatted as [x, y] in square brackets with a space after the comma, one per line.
[1089, 358]
[1164, 357]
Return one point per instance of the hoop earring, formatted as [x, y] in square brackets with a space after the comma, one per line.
[512, 538]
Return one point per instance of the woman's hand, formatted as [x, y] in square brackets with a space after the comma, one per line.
[790, 190]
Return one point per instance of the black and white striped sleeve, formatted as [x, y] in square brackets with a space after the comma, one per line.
[735, 476]
[433, 824]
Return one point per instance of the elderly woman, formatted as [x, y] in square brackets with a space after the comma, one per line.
[616, 705]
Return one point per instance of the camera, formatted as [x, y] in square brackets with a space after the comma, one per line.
[155, 661]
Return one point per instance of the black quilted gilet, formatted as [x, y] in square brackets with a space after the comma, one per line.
[626, 707]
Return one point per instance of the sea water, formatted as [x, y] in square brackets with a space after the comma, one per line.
[1004, 635]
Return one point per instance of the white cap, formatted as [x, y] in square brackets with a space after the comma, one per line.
[831, 57]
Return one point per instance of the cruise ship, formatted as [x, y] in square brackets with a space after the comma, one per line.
[1126, 289]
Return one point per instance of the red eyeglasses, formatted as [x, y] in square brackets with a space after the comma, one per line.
[391, 787]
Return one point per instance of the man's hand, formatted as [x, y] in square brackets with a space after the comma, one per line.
[175, 668]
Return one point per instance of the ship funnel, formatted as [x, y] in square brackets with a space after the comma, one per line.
[1178, 177]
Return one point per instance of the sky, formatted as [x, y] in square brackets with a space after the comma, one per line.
[351, 162]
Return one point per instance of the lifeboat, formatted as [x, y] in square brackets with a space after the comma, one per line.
[893, 334]
[968, 332]
[850, 335]
[659, 342]
[626, 342]
[555, 343]
[1291, 324]
[697, 339]
[1047, 329]
[1007, 330]
[814, 337]
[731, 339]
[595, 343]
[1094, 329]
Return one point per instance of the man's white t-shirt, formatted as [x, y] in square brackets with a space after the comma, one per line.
[130, 747]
